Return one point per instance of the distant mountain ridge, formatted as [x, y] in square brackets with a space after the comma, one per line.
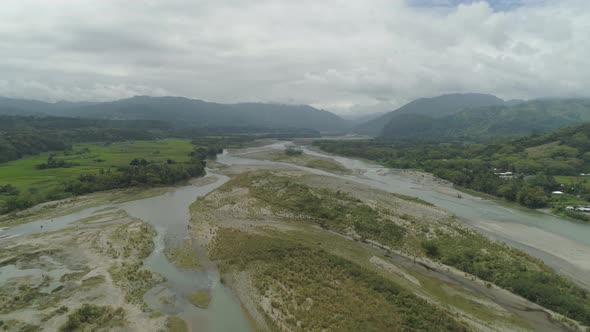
[435, 107]
[184, 112]
[485, 123]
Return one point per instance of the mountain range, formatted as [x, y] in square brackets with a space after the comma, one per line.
[184, 112]
[451, 117]
[490, 122]
[435, 107]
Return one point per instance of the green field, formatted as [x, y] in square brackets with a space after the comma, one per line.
[25, 176]
[568, 180]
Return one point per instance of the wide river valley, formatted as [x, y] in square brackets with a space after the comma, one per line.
[562, 244]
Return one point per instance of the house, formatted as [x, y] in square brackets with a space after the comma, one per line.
[505, 175]
[557, 192]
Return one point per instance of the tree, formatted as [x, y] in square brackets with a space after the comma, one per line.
[507, 191]
[431, 249]
[291, 151]
[532, 197]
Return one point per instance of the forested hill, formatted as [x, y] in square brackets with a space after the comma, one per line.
[186, 112]
[12, 106]
[435, 107]
[493, 122]
[20, 136]
[540, 164]
[29, 135]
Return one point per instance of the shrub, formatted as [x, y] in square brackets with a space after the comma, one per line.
[431, 249]
[91, 317]
[291, 151]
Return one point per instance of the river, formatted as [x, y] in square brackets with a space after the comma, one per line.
[169, 214]
[562, 244]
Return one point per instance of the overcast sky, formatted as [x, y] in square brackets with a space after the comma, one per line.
[341, 55]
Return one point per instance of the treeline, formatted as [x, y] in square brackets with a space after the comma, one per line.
[249, 132]
[139, 172]
[534, 161]
[511, 269]
[53, 162]
[489, 123]
[29, 135]
[21, 136]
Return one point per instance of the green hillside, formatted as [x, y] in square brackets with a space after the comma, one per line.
[28, 135]
[527, 118]
[435, 107]
[184, 112]
[540, 165]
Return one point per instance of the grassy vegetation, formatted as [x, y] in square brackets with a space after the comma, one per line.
[297, 157]
[135, 194]
[176, 324]
[332, 210]
[98, 167]
[156, 314]
[326, 165]
[412, 199]
[90, 158]
[93, 281]
[59, 311]
[199, 299]
[132, 241]
[448, 295]
[448, 242]
[91, 317]
[15, 296]
[136, 241]
[540, 164]
[311, 289]
[16, 325]
[566, 180]
[133, 280]
[74, 276]
[511, 269]
[575, 215]
[184, 257]
[47, 300]
[293, 151]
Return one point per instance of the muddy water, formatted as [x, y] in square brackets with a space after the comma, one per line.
[169, 214]
[47, 225]
[562, 244]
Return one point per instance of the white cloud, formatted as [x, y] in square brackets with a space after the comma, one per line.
[334, 54]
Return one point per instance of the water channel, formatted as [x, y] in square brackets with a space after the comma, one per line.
[562, 244]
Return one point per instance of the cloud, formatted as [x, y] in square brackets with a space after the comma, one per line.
[500, 5]
[334, 54]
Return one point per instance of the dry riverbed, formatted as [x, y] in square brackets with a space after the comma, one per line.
[54, 209]
[46, 278]
[306, 160]
[253, 227]
[115, 260]
[301, 251]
